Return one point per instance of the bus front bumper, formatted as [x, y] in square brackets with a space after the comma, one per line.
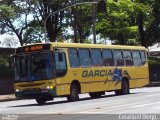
[35, 93]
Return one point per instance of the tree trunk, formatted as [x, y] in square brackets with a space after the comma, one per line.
[74, 25]
[52, 29]
[122, 39]
[141, 30]
[80, 25]
[51, 23]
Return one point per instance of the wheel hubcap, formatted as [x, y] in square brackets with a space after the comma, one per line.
[74, 92]
[125, 87]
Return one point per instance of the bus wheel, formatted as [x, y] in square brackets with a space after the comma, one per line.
[124, 88]
[95, 94]
[73, 93]
[41, 101]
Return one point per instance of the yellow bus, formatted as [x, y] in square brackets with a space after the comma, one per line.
[47, 70]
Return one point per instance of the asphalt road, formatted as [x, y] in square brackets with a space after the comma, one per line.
[142, 101]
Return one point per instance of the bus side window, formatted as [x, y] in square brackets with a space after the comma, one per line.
[73, 58]
[96, 57]
[84, 56]
[118, 58]
[61, 67]
[136, 58]
[143, 57]
[107, 58]
[127, 57]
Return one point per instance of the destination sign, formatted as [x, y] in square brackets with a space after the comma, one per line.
[32, 48]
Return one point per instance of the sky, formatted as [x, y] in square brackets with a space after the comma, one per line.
[155, 47]
[2, 37]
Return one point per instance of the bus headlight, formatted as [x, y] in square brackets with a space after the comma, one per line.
[17, 90]
[49, 87]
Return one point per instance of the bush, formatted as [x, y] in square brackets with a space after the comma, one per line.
[153, 60]
[4, 68]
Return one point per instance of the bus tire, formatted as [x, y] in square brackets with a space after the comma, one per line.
[124, 88]
[73, 93]
[95, 94]
[41, 101]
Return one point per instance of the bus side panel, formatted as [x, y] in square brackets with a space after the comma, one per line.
[97, 79]
[142, 76]
[129, 73]
[63, 89]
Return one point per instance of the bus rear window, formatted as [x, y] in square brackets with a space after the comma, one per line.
[143, 57]
[136, 58]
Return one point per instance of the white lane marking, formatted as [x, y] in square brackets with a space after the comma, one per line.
[73, 110]
[82, 106]
[90, 112]
[144, 105]
[150, 95]
[107, 109]
[133, 111]
[147, 103]
[156, 107]
[141, 108]
[102, 108]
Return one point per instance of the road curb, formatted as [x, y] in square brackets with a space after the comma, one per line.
[5, 100]
[9, 97]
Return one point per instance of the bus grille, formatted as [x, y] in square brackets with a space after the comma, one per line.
[33, 85]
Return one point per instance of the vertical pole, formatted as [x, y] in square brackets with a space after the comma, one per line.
[94, 22]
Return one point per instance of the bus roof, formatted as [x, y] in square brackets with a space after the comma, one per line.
[83, 45]
[47, 46]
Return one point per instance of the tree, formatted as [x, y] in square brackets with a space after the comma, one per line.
[80, 20]
[15, 17]
[75, 18]
[130, 22]
[117, 23]
[125, 21]
[143, 17]
[39, 10]
[153, 31]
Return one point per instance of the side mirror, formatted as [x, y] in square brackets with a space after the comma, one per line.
[60, 57]
[11, 61]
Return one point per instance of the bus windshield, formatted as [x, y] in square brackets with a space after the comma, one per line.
[32, 67]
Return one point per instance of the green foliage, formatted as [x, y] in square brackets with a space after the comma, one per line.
[6, 12]
[79, 21]
[117, 25]
[127, 21]
[132, 22]
[32, 35]
[153, 60]
[4, 67]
